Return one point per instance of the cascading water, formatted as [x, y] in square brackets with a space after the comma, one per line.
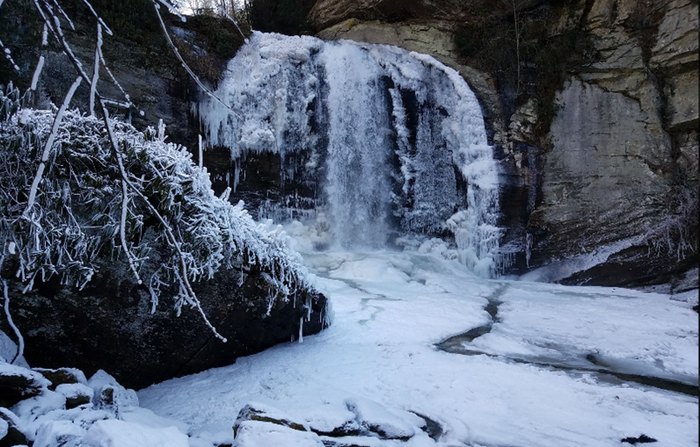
[394, 141]
[357, 184]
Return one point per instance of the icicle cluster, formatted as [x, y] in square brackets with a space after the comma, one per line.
[74, 225]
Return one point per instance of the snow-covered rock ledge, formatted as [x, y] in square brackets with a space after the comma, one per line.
[39, 408]
[123, 278]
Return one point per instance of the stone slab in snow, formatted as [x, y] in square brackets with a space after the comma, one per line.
[257, 434]
[388, 424]
[115, 433]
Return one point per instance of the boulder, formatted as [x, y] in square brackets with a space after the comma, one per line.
[355, 422]
[255, 433]
[249, 284]
[76, 394]
[60, 376]
[17, 383]
[109, 325]
[10, 432]
[116, 433]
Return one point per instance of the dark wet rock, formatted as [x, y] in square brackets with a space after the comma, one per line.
[14, 435]
[76, 394]
[267, 415]
[60, 376]
[109, 325]
[17, 383]
[432, 427]
[641, 439]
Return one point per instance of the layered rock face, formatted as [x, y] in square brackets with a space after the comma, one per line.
[622, 169]
[597, 134]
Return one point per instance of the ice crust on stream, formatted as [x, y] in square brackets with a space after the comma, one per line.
[392, 308]
[392, 142]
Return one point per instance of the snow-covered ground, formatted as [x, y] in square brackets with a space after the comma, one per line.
[378, 367]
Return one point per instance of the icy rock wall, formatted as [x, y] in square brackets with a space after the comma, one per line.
[394, 141]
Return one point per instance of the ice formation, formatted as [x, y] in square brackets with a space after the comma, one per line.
[393, 141]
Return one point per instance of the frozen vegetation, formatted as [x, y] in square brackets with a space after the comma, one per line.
[167, 225]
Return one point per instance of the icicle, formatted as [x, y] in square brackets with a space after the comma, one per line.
[301, 330]
[161, 130]
[236, 174]
[201, 156]
[226, 194]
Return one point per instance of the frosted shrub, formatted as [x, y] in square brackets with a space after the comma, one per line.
[168, 227]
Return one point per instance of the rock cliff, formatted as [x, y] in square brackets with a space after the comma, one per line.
[593, 108]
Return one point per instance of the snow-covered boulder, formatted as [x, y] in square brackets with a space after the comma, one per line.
[67, 415]
[386, 423]
[10, 431]
[17, 383]
[60, 376]
[76, 394]
[356, 422]
[257, 434]
[135, 276]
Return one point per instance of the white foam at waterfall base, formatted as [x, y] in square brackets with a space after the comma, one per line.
[385, 134]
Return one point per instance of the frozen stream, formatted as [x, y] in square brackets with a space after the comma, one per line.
[378, 365]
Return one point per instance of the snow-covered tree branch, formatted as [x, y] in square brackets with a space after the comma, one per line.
[133, 216]
[167, 218]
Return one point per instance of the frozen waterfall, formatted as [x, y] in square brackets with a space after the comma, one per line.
[392, 142]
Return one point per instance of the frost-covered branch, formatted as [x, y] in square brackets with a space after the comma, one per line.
[178, 232]
[72, 218]
[96, 69]
[8, 55]
[183, 276]
[49, 145]
[11, 323]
